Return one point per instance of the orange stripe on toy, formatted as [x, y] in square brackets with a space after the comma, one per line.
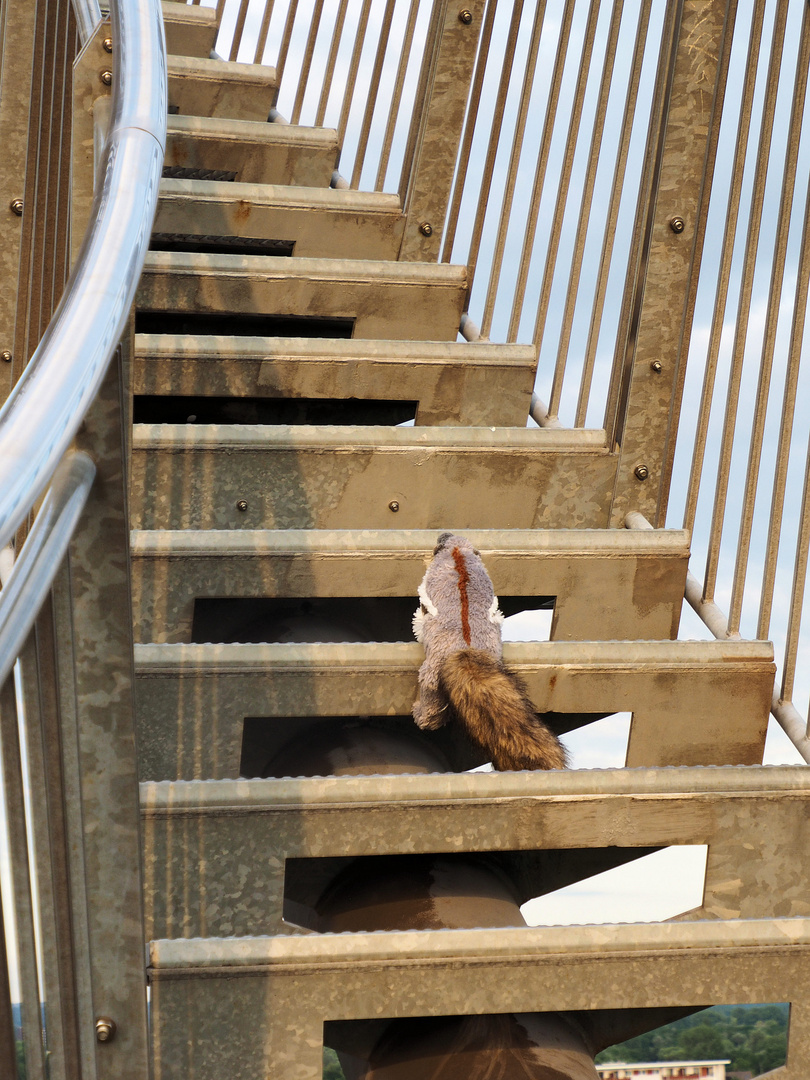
[463, 578]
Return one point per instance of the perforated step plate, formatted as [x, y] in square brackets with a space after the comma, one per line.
[191, 30]
[220, 987]
[229, 476]
[545, 830]
[416, 301]
[693, 703]
[605, 583]
[317, 222]
[448, 382]
[251, 153]
[199, 86]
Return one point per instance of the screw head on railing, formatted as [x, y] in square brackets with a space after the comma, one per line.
[5, 355]
[105, 1029]
[393, 506]
[465, 16]
[426, 229]
[641, 472]
[677, 224]
[16, 207]
[242, 505]
[107, 44]
[106, 78]
[657, 367]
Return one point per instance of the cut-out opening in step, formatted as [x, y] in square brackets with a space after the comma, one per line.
[351, 746]
[221, 245]
[186, 172]
[234, 324]
[698, 1041]
[431, 891]
[319, 619]
[661, 885]
[158, 409]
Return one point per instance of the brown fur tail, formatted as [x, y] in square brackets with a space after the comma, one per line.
[492, 704]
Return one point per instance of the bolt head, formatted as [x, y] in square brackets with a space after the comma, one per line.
[677, 224]
[641, 472]
[106, 78]
[105, 1029]
[426, 229]
[657, 367]
[5, 355]
[16, 207]
[393, 506]
[465, 16]
[242, 505]
[107, 44]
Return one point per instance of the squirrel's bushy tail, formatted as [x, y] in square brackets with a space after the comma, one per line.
[494, 707]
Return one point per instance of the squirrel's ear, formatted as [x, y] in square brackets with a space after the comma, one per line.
[443, 538]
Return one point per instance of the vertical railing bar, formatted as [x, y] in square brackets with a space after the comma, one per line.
[306, 66]
[331, 60]
[421, 101]
[371, 102]
[540, 172]
[746, 290]
[396, 98]
[220, 9]
[514, 161]
[8, 1047]
[575, 272]
[261, 40]
[794, 622]
[724, 269]
[562, 199]
[236, 41]
[494, 139]
[792, 368]
[469, 132]
[617, 187]
[21, 876]
[286, 37]
[353, 69]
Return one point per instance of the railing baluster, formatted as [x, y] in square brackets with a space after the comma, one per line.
[396, 97]
[306, 64]
[337, 34]
[374, 86]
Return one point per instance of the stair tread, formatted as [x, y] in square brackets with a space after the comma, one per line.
[201, 86]
[191, 29]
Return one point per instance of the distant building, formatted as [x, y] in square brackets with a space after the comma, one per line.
[670, 1070]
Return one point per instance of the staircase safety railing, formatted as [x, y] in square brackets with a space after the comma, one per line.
[74, 971]
[627, 184]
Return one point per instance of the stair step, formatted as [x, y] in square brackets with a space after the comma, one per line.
[422, 301]
[321, 223]
[220, 987]
[693, 703]
[250, 153]
[450, 382]
[199, 86]
[607, 584]
[191, 30]
[544, 830]
[193, 477]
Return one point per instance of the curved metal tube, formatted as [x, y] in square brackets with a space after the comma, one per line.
[42, 554]
[49, 402]
[88, 16]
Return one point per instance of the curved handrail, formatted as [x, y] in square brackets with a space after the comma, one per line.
[46, 407]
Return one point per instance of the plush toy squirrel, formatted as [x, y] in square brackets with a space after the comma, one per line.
[463, 677]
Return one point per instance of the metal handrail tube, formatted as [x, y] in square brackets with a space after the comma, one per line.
[42, 554]
[88, 16]
[46, 407]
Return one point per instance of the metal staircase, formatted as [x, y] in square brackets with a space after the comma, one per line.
[315, 870]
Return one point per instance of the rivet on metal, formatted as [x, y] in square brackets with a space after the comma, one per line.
[465, 16]
[393, 506]
[657, 367]
[426, 229]
[16, 207]
[241, 505]
[6, 356]
[106, 78]
[105, 1029]
[642, 472]
[677, 224]
[107, 43]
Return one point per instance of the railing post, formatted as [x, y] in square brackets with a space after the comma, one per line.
[445, 82]
[651, 364]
